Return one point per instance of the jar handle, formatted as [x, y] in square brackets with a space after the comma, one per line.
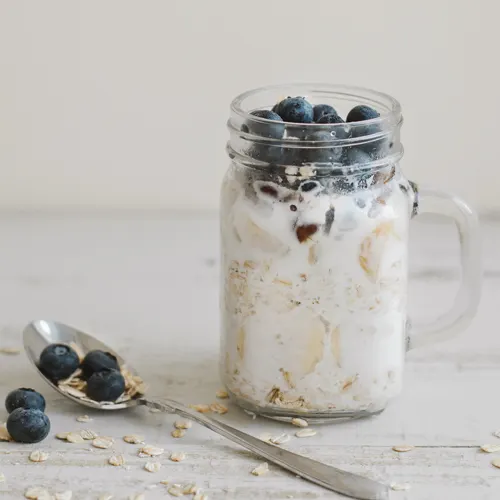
[467, 299]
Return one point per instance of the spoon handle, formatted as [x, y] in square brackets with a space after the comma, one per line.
[325, 475]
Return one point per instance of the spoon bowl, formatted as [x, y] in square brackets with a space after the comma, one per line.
[40, 333]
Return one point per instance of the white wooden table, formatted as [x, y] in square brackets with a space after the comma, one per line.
[147, 283]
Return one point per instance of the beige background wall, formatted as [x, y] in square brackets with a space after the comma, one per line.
[121, 103]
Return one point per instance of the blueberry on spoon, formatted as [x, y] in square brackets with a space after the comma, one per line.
[105, 385]
[96, 361]
[58, 361]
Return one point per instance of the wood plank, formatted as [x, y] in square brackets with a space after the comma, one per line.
[147, 287]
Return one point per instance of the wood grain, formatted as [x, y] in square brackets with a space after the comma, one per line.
[147, 284]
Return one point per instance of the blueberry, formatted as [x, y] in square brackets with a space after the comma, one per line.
[356, 156]
[24, 398]
[376, 148]
[274, 130]
[295, 110]
[96, 361]
[331, 118]
[28, 425]
[322, 153]
[266, 153]
[362, 113]
[307, 186]
[105, 385]
[58, 361]
[337, 132]
[323, 109]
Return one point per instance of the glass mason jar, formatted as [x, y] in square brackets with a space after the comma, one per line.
[314, 242]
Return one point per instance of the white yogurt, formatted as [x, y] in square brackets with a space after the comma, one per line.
[313, 316]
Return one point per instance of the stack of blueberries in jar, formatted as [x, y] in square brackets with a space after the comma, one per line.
[319, 145]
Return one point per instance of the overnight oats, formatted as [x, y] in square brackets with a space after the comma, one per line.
[314, 225]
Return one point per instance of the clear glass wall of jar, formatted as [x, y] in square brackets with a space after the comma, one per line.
[314, 242]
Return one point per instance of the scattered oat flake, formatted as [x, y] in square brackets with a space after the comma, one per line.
[176, 491]
[88, 434]
[164, 481]
[183, 424]
[134, 439]
[200, 496]
[10, 350]
[221, 394]
[304, 433]
[177, 457]
[402, 448]
[38, 456]
[219, 408]
[4, 433]
[103, 442]
[137, 496]
[2, 478]
[201, 408]
[299, 422]
[151, 451]
[178, 433]
[74, 437]
[105, 496]
[496, 463]
[62, 435]
[261, 469]
[400, 486]
[64, 495]
[72, 391]
[152, 466]
[281, 439]
[84, 418]
[116, 460]
[37, 493]
[490, 448]
[190, 489]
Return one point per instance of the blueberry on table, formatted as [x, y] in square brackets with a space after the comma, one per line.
[96, 361]
[295, 110]
[58, 361]
[28, 425]
[362, 113]
[24, 398]
[105, 385]
[273, 130]
[321, 110]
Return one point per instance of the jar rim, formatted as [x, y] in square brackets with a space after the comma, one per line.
[389, 117]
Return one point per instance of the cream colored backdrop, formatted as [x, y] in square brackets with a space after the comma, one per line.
[121, 103]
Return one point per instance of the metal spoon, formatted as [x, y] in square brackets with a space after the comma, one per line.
[40, 333]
